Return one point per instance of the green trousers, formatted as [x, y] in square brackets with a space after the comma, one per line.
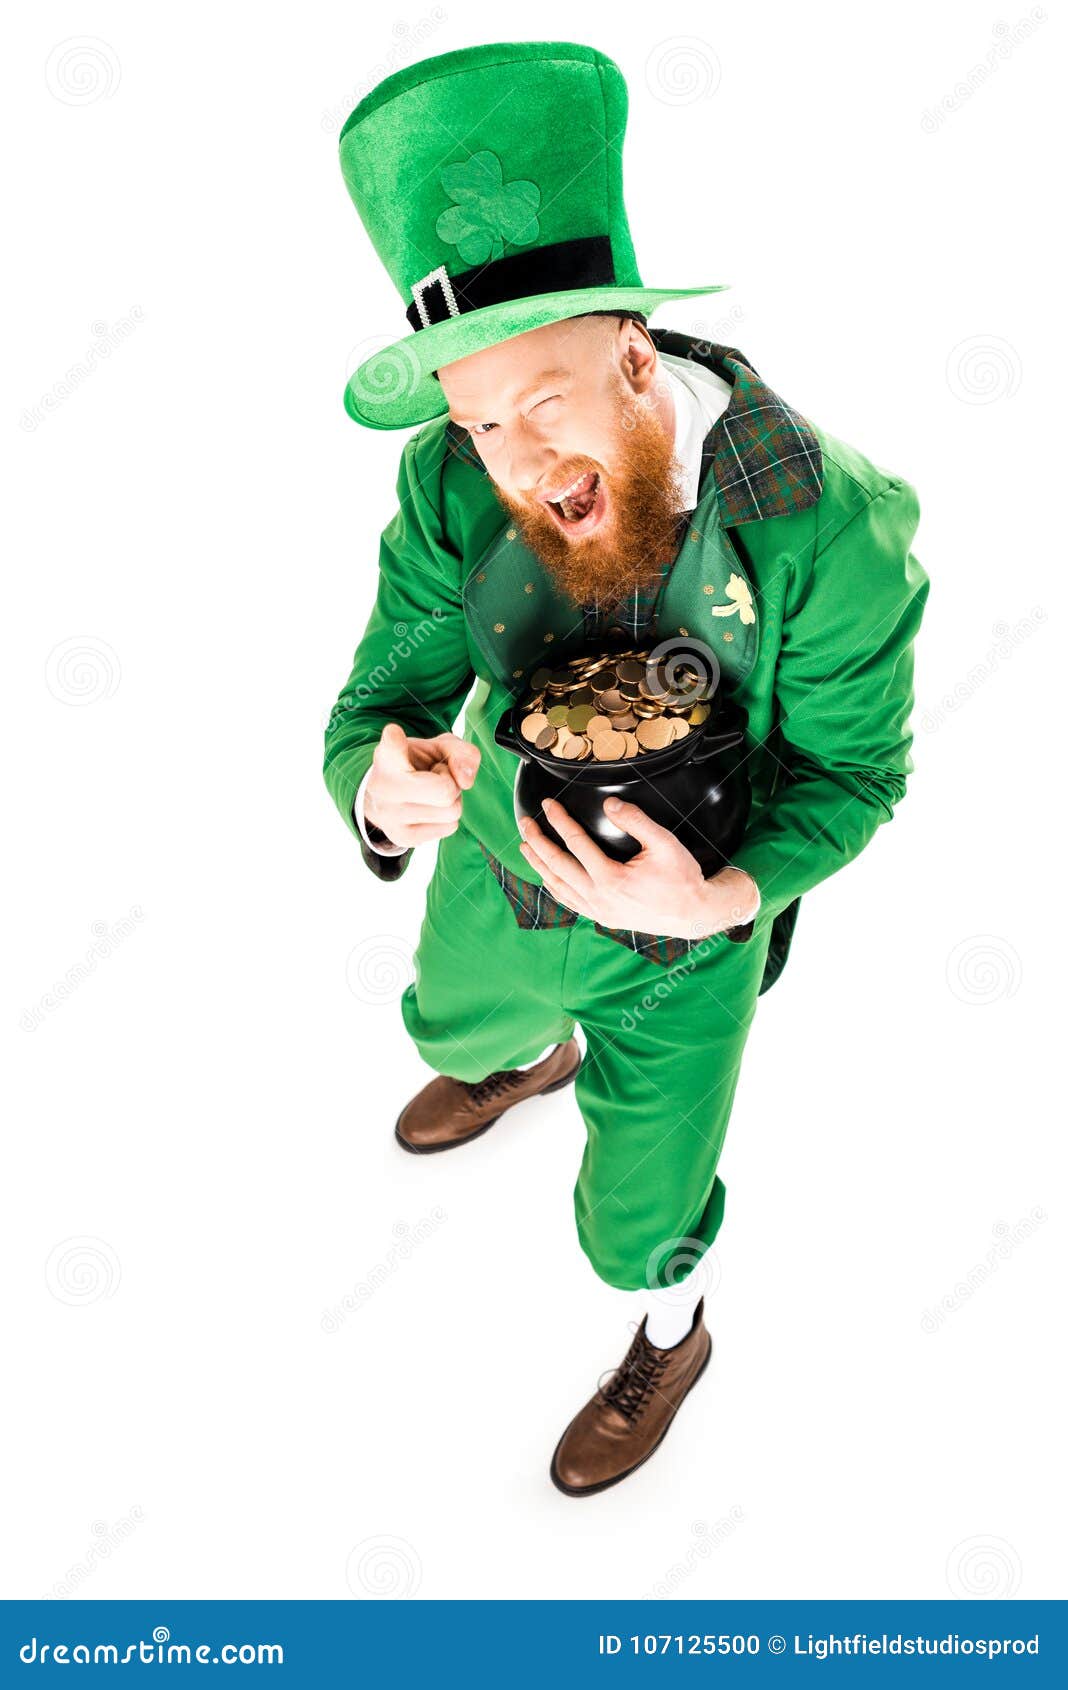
[663, 1054]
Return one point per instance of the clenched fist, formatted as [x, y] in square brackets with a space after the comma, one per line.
[414, 790]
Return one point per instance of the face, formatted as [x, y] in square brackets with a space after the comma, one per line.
[576, 432]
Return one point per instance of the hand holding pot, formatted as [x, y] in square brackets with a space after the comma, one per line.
[661, 890]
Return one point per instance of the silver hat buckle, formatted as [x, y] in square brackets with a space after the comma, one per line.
[440, 275]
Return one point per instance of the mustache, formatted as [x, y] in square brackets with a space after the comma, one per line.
[563, 476]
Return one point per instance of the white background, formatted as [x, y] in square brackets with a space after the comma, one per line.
[200, 1153]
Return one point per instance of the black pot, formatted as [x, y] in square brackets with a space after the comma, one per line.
[697, 787]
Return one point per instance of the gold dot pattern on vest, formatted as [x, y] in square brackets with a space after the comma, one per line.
[613, 707]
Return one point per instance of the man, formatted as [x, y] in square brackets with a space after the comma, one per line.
[577, 476]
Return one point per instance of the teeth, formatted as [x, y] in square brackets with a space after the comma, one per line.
[575, 485]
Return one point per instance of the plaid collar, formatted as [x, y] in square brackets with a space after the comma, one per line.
[764, 455]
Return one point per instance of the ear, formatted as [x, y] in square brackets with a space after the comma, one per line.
[637, 355]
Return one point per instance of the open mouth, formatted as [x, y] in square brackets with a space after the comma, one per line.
[579, 507]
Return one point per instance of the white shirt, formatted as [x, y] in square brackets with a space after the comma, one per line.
[700, 397]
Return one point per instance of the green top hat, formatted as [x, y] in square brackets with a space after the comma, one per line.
[490, 181]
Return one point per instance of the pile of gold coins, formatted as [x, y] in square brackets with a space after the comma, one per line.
[613, 707]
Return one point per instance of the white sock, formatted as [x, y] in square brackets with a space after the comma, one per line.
[670, 1313]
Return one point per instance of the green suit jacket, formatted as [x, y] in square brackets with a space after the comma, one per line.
[818, 534]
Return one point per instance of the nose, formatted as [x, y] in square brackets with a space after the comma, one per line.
[530, 463]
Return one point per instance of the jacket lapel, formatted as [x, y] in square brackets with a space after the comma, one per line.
[766, 459]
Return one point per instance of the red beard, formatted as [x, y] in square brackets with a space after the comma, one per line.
[640, 532]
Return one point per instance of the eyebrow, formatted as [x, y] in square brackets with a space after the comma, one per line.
[532, 387]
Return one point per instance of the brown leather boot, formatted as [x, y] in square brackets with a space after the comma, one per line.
[627, 1419]
[449, 1112]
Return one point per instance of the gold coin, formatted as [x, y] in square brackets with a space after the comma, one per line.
[609, 746]
[580, 716]
[654, 735]
[613, 707]
[676, 700]
[531, 726]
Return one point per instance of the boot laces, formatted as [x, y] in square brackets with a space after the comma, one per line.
[630, 1388]
[481, 1091]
